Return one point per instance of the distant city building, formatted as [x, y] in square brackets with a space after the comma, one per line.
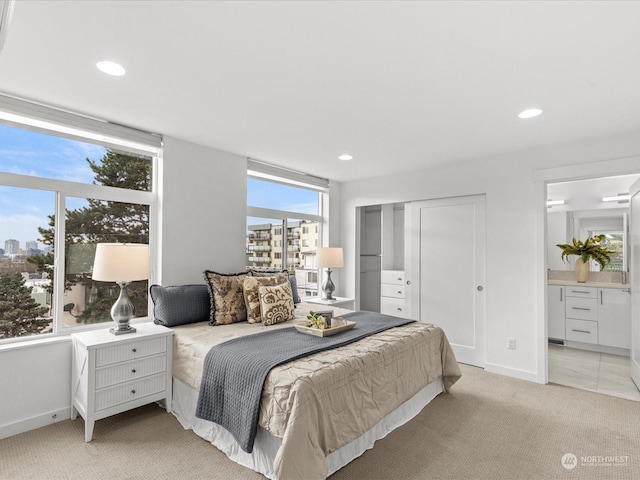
[1, 251]
[32, 248]
[12, 247]
[267, 244]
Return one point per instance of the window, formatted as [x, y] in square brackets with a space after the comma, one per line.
[614, 240]
[288, 205]
[60, 195]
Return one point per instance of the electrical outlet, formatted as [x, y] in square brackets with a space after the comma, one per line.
[511, 343]
[54, 417]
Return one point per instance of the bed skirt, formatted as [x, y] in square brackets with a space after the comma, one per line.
[266, 445]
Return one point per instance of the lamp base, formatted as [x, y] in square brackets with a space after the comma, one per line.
[122, 311]
[122, 331]
[329, 287]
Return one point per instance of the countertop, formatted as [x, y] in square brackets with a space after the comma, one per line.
[569, 283]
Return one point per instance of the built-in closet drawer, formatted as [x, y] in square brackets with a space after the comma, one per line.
[584, 331]
[394, 291]
[582, 308]
[393, 277]
[392, 306]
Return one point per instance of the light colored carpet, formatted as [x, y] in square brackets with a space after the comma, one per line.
[488, 427]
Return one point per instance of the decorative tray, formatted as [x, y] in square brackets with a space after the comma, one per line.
[327, 332]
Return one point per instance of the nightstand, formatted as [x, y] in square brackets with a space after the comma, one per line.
[342, 302]
[115, 373]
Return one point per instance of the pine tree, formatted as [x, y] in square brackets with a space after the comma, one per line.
[20, 314]
[102, 222]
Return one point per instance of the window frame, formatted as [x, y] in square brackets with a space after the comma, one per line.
[63, 189]
[277, 175]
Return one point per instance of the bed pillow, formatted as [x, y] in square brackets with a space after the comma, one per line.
[294, 289]
[292, 281]
[180, 304]
[250, 287]
[276, 304]
[226, 297]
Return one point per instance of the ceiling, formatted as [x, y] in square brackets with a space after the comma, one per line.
[398, 85]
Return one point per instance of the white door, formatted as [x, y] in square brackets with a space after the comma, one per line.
[634, 267]
[445, 268]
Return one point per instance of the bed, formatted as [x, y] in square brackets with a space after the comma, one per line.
[320, 412]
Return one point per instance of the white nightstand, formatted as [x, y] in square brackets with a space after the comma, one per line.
[338, 302]
[115, 373]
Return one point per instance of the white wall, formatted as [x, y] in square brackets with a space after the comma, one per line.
[514, 262]
[204, 216]
[204, 203]
[36, 385]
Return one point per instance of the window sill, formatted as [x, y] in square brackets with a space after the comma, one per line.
[52, 338]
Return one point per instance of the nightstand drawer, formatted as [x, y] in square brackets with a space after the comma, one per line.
[125, 372]
[123, 352]
[582, 308]
[127, 392]
[582, 331]
[395, 291]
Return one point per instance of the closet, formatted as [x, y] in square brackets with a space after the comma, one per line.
[382, 282]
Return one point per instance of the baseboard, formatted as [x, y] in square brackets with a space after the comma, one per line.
[34, 422]
[512, 372]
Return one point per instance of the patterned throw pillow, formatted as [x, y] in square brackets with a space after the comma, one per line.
[276, 304]
[227, 299]
[250, 287]
[292, 281]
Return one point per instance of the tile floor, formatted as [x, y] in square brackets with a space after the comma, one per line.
[598, 372]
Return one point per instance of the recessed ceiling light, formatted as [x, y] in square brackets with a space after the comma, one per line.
[530, 113]
[111, 68]
[345, 157]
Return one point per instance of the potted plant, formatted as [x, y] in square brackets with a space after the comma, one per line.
[590, 249]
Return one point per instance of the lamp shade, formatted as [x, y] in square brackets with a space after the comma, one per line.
[330, 257]
[121, 262]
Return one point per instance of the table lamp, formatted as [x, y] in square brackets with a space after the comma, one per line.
[329, 257]
[122, 263]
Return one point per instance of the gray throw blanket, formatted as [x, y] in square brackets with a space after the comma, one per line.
[234, 371]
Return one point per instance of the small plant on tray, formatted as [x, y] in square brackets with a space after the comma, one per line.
[316, 320]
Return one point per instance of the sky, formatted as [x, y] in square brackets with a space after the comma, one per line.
[26, 152]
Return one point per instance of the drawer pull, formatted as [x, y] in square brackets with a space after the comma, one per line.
[399, 309]
[400, 292]
[580, 291]
[133, 392]
[133, 370]
[581, 308]
[400, 279]
[580, 331]
[134, 350]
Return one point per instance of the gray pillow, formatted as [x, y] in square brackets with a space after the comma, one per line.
[181, 304]
[294, 288]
